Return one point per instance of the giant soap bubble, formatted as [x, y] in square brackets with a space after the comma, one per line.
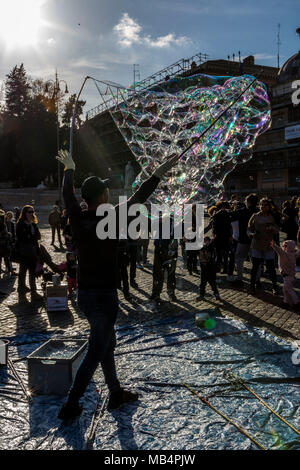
[164, 120]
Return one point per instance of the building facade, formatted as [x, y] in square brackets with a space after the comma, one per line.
[275, 166]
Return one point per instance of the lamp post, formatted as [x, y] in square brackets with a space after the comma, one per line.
[53, 87]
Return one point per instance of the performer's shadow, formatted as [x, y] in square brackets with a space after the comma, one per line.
[125, 431]
[49, 433]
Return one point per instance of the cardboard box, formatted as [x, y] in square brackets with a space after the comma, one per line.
[57, 291]
[57, 298]
[53, 366]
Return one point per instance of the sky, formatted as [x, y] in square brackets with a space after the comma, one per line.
[104, 38]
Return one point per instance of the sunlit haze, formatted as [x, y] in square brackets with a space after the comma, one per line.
[20, 22]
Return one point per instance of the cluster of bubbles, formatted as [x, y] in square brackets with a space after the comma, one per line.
[163, 121]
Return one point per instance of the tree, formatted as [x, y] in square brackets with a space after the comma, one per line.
[17, 92]
[69, 109]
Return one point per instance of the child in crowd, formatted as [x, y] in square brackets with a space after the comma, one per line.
[287, 262]
[70, 266]
[67, 232]
[208, 264]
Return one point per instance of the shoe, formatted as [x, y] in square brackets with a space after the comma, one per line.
[23, 299]
[238, 283]
[217, 296]
[69, 411]
[190, 273]
[200, 298]
[172, 297]
[134, 284]
[35, 297]
[117, 399]
[127, 296]
[156, 299]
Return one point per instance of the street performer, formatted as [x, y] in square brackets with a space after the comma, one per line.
[97, 281]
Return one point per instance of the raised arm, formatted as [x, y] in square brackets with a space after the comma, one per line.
[277, 248]
[71, 202]
[147, 188]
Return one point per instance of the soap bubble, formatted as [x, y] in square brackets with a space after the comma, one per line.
[163, 121]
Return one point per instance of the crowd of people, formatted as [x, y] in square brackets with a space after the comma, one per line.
[240, 231]
[236, 231]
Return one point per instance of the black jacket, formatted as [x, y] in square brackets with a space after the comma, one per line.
[97, 259]
[243, 216]
[221, 226]
[11, 228]
[28, 236]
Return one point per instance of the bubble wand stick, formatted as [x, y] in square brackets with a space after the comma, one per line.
[107, 83]
[74, 115]
[239, 428]
[18, 379]
[242, 383]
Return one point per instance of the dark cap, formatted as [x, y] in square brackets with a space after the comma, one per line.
[93, 187]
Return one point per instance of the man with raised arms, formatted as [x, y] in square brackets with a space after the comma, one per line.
[97, 281]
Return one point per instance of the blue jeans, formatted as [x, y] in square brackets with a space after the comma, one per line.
[100, 307]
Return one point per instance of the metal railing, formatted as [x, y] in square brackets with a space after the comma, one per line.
[172, 70]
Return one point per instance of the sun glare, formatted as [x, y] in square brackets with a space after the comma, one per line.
[20, 21]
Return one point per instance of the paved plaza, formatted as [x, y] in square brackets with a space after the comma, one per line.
[261, 310]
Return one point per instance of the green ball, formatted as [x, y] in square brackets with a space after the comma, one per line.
[210, 324]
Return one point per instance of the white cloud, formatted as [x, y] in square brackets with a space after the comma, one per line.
[51, 42]
[263, 56]
[167, 41]
[130, 32]
[88, 63]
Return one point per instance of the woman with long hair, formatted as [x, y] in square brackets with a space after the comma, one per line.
[28, 235]
[263, 226]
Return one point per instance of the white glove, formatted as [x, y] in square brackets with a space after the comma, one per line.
[65, 158]
[166, 166]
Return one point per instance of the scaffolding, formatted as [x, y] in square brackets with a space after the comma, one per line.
[178, 68]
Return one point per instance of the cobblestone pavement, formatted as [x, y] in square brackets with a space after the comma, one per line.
[261, 310]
